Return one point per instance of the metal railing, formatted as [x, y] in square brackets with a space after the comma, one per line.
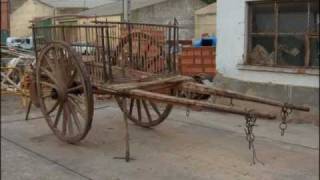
[148, 48]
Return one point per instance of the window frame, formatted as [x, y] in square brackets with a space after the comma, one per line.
[308, 35]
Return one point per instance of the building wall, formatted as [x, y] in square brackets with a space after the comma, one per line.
[231, 48]
[205, 23]
[299, 88]
[164, 12]
[21, 17]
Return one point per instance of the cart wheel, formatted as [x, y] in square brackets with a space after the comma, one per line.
[145, 113]
[64, 92]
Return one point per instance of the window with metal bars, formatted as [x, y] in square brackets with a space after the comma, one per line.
[283, 33]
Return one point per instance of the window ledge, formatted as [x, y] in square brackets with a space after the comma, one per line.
[307, 71]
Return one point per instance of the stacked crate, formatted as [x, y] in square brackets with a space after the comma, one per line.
[193, 61]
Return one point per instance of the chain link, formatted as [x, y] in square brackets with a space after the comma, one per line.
[250, 123]
[188, 96]
[231, 102]
[285, 111]
[187, 113]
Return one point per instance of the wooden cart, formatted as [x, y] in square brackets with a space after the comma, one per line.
[136, 63]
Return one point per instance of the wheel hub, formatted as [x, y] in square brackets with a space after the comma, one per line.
[61, 93]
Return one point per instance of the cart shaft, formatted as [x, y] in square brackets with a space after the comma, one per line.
[204, 89]
[191, 103]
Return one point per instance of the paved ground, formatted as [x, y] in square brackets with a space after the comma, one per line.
[207, 146]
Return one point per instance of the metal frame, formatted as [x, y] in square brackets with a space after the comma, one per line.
[109, 38]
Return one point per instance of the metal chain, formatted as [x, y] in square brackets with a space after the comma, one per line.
[231, 102]
[188, 95]
[187, 113]
[285, 111]
[250, 123]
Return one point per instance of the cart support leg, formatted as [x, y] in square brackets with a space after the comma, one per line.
[127, 137]
[28, 110]
[127, 155]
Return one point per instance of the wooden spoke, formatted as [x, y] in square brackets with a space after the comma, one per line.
[51, 65]
[138, 109]
[56, 55]
[72, 78]
[46, 96]
[155, 108]
[79, 87]
[70, 126]
[75, 117]
[66, 118]
[58, 116]
[131, 105]
[53, 107]
[147, 110]
[77, 107]
[75, 99]
[48, 84]
[50, 75]
[137, 118]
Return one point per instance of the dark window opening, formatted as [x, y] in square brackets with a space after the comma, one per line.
[284, 34]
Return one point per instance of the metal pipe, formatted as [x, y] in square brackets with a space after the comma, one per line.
[109, 54]
[103, 57]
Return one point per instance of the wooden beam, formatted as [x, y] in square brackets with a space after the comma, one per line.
[120, 88]
[191, 103]
[205, 89]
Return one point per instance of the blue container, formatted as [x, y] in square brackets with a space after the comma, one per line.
[206, 41]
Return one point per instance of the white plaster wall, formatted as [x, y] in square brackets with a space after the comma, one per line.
[231, 34]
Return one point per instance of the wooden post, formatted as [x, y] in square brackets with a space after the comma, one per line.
[123, 102]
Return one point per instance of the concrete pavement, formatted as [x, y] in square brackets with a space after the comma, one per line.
[209, 145]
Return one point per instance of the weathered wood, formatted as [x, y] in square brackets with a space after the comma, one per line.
[192, 103]
[204, 89]
[146, 110]
[120, 88]
[138, 109]
[135, 106]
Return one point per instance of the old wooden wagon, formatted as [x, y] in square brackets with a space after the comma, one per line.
[136, 63]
